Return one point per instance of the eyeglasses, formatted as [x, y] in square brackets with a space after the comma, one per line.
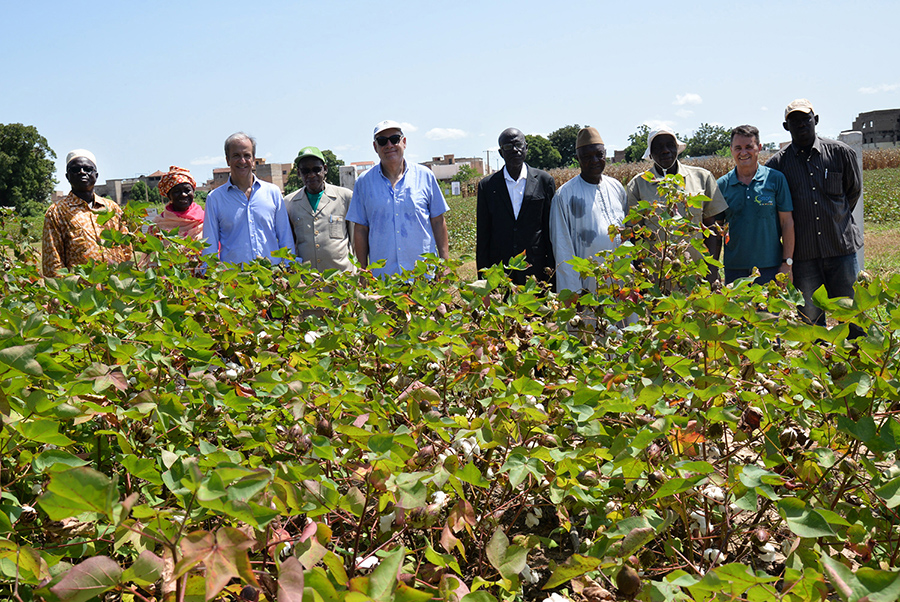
[308, 170]
[512, 145]
[80, 168]
[383, 140]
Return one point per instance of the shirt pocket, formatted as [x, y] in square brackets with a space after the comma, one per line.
[337, 228]
[834, 183]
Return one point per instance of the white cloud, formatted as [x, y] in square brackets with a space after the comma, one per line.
[445, 134]
[880, 88]
[763, 108]
[687, 99]
[408, 127]
[344, 147]
[684, 113]
[209, 160]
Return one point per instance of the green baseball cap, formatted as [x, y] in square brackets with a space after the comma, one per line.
[311, 151]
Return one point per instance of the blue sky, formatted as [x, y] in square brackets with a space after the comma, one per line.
[145, 85]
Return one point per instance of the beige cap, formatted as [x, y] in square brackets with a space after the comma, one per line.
[802, 105]
[80, 152]
[587, 136]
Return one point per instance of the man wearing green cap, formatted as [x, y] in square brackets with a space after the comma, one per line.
[321, 234]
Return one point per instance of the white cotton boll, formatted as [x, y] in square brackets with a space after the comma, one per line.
[489, 474]
[611, 506]
[555, 597]
[540, 406]
[713, 453]
[366, 563]
[440, 498]
[386, 521]
[231, 365]
[531, 520]
[531, 399]
[311, 336]
[714, 493]
[767, 553]
[132, 381]
[537, 512]
[231, 374]
[714, 556]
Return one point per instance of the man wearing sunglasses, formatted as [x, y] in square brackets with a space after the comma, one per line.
[513, 213]
[73, 225]
[397, 208]
[321, 234]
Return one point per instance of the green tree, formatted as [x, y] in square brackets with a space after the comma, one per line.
[140, 192]
[563, 140]
[637, 144]
[465, 173]
[294, 182]
[155, 197]
[708, 140]
[26, 169]
[541, 153]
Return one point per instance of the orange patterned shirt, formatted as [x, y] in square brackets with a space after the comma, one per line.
[72, 234]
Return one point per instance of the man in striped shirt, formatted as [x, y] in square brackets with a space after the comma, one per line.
[825, 182]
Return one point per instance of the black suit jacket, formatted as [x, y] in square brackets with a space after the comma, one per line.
[500, 235]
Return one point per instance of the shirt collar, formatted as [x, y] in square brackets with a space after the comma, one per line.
[405, 169]
[816, 145]
[658, 175]
[759, 176]
[522, 174]
[253, 184]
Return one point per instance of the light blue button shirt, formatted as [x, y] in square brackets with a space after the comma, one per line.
[398, 217]
[242, 229]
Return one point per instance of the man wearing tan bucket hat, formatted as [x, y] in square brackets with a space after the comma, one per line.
[583, 210]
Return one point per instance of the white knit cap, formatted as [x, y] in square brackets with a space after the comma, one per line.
[80, 152]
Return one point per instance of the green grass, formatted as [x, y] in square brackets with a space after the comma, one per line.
[461, 225]
[882, 195]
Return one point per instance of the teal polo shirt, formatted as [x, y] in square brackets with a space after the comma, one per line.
[754, 230]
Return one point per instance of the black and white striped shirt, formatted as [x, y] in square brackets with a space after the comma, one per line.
[825, 183]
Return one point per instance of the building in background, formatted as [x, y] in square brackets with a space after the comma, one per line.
[880, 129]
[446, 167]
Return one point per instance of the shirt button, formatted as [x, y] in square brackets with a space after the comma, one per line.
[317, 245]
[814, 187]
[316, 232]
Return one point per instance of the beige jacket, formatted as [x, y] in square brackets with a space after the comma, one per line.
[323, 238]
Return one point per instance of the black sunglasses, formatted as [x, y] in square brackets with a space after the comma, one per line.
[383, 140]
[308, 170]
[512, 145]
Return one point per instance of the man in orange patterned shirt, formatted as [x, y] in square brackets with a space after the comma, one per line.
[71, 227]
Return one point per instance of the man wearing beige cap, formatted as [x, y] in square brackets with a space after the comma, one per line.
[397, 208]
[583, 210]
[322, 236]
[72, 226]
[663, 148]
[513, 213]
[825, 182]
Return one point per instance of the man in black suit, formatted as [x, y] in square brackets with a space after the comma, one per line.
[514, 213]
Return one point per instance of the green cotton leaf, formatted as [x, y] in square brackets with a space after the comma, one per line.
[145, 570]
[44, 431]
[508, 559]
[384, 576]
[677, 485]
[636, 539]
[381, 443]
[88, 580]
[520, 467]
[576, 566]
[802, 520]
[21, 357]
[354, 501]
[890, 493]
[471, 475]
[78, 490]
[527, 386]
[761, 480]
[290, 581]
[863, 429]
[55, 459]
[872, 584]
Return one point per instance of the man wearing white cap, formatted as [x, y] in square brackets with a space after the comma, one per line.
[825, 182]
[72, 225]
[583, 210]
[663, 147]
[397, 208]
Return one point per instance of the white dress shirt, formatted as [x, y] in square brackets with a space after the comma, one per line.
[516, 188]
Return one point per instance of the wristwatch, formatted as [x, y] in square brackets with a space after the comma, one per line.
[789, 261]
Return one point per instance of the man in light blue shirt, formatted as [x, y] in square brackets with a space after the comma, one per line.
[245, 218]
[397, 208]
